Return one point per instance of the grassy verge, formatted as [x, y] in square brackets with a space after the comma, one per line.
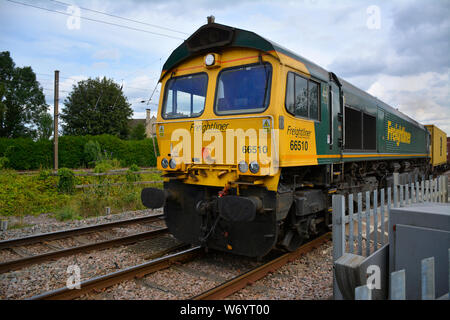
[22, 195]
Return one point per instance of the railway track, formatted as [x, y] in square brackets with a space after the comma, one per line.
[237, 283]
[110, 279]
[227, 288]
[42, 238]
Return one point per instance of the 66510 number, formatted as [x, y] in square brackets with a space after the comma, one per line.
[299, 145]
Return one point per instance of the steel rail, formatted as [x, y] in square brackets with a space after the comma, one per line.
[20, 263]
[72, 232]
[111, 279]
[237, 283]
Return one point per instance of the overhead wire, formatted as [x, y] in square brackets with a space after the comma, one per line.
[95, 20]
[119, 17]
[75, 80]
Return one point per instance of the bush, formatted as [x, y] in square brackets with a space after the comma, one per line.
[26, 154]
[66, 183]
[131, 175]
[92, 152]
[76, 152]
[134, 168]
[67, 213]
[27, 194]
[3, 162]
[44, 174]
[106, 165]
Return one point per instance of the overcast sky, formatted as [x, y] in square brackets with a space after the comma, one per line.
[396, 50]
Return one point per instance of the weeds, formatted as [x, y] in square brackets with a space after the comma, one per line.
[66, 213]
[22, 195]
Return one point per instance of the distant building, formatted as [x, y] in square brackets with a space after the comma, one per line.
[148, 122]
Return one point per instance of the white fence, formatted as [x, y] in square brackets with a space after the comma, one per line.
[397, 285]
[364, 231]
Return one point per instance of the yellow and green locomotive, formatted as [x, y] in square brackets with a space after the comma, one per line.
[254, 139]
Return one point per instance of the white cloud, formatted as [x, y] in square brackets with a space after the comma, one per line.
[107, 54]
[423, 97]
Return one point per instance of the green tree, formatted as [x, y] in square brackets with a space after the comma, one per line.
[138, 132]
[22, 101]
[94, 107]
[44, 126]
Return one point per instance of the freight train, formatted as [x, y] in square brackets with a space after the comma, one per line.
[254, 139]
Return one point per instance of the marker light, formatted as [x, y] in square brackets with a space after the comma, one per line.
[172, 164]
[164, 163]
[254, 167]
[243, 166]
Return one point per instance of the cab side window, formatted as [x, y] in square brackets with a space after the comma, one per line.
[302, 97]
[290, 93]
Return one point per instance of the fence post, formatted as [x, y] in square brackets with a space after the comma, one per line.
[417, 192]
[360, 224]
[436, 194]
[446, 188]
[411, 188]
[407, 194]
[375, 220]
[433, 190]
[436, 188]
[389, 206]
[429, 189]
[395, 197]
[338, 202]
[423, 191]
[363, 293]
[427, 277]
[350, 222]
[382, 216]
[397, 285]
[367, 223]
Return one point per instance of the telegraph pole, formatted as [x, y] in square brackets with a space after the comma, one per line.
[55, 119]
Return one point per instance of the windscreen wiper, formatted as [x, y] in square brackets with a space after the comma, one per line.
[267, 80]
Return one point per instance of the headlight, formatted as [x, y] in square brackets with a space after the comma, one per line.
[210, 59]
[243, 166]
[164, 163]
[172, 164]
[254, 167]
